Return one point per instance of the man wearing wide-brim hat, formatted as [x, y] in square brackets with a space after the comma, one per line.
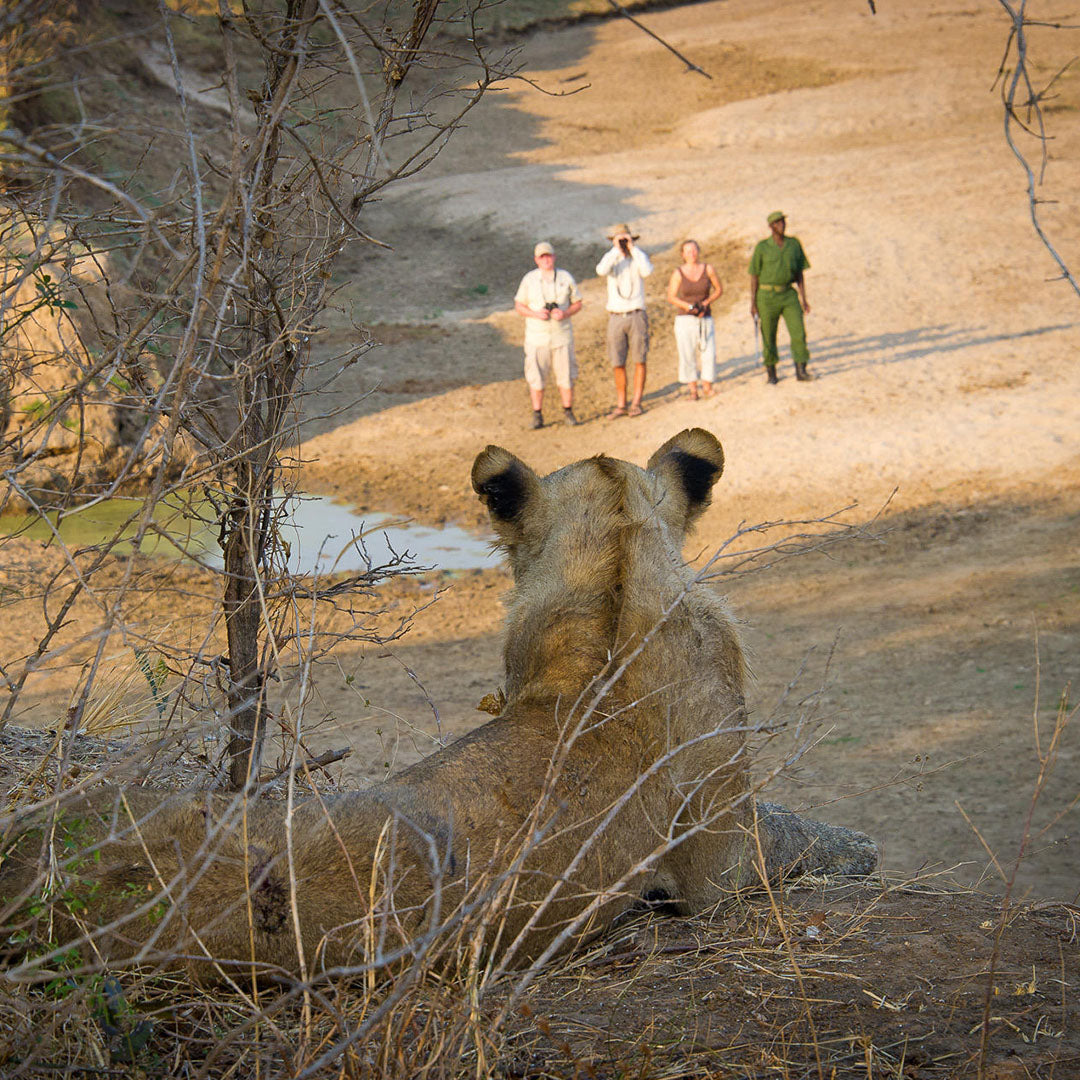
[776, 272]
[626, 266]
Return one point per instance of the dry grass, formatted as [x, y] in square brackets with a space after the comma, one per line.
[874, 979]
[869, 979]
[883, 978]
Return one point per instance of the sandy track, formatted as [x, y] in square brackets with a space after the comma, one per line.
[946, 383]
[945, 362]
[937, 338]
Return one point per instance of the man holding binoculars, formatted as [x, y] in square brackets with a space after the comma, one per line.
[626, 266]
[548, 298]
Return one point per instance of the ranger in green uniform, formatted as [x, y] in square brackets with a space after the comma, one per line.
[777, 264]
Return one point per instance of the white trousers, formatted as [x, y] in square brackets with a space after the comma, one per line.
[696, 341]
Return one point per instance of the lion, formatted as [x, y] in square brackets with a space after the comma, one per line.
[616, 775]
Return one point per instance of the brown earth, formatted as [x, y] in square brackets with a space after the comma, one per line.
[923, 657]
[946, 392]
[844, 982]
[946, 383]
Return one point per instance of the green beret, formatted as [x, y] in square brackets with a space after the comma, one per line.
[776, 215]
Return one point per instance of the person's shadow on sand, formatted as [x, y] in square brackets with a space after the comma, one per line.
[833, 356]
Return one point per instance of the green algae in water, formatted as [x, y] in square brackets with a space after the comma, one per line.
[320, 534]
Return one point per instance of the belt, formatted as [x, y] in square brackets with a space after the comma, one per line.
[775, 288]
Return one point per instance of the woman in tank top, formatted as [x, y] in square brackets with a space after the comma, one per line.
[693, 287]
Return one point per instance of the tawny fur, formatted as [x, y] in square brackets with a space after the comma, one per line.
[599, 585]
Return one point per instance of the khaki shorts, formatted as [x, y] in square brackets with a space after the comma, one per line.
[542, 360]
[627, 335]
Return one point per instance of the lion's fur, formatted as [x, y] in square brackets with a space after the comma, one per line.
[599, 586]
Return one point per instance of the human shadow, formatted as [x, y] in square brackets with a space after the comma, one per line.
[847, 352]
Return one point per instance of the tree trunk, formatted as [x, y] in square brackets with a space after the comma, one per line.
[242, 540]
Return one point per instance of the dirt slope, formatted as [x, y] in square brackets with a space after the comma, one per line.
[946, 387]
[945, 364]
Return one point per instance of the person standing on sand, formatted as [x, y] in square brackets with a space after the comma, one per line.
[777, 264]
[548, 298]
[693, 287]
[625, 267]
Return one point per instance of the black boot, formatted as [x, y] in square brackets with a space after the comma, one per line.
[801, 373]
[538, 419]
[770, 371]
[568, 417]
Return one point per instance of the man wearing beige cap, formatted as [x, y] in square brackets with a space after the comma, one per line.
[777, 264]
[626, 266]
[548, 298]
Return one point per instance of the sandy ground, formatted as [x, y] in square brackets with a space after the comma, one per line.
[946, 398]
[945, 372]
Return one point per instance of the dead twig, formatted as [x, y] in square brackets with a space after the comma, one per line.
[690, 65]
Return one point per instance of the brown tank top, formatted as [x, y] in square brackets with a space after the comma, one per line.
[694, 292]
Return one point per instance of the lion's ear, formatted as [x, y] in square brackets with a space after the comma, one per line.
[688, 464]
[505, 484]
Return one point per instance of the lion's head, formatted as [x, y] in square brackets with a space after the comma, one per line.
[595, 550]
[586, 501]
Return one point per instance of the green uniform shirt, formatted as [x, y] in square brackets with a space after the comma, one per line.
[773, 265]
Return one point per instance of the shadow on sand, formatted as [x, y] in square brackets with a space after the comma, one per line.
[836, 355]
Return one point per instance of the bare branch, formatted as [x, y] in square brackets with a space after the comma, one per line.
[690, 65]
[1032, 100]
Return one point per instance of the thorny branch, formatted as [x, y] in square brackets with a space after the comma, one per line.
[1019, 94]
[197, 276]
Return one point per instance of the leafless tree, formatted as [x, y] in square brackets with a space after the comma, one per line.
[178, 191]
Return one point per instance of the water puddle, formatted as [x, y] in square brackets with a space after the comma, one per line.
[319, 532]
[323, 531]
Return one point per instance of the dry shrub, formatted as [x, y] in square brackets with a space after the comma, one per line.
[888, 977]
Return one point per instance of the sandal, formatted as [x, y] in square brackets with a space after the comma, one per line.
[634, 410]
[619, 410]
